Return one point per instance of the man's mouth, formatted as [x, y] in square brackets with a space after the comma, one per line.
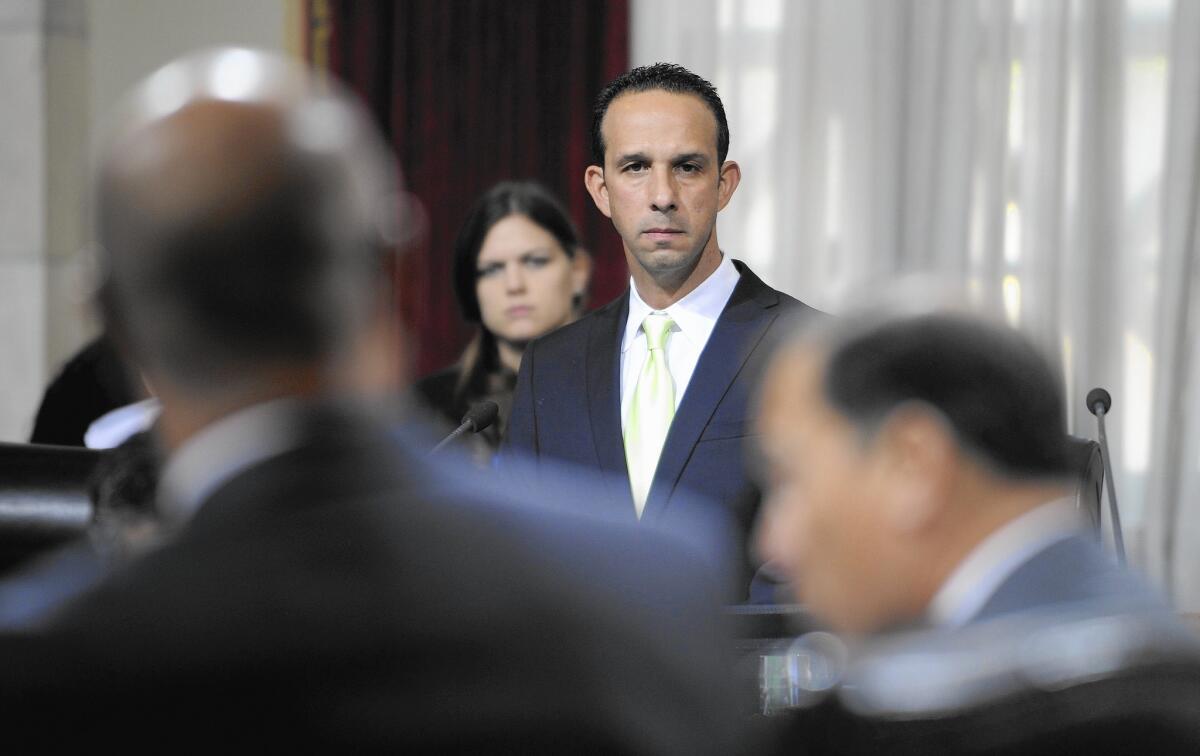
[662, 233]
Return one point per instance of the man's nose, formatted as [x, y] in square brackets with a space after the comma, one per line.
[663, 197]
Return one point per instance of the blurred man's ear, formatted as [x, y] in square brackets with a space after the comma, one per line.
[918, 455]
[380, 361]
[405, 223]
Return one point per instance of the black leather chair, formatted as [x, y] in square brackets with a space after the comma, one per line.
[44, 498]
[1125, 683]
[1086, 458]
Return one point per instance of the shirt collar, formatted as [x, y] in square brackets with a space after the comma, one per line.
[112, 429]
[223, 449]
[696, 314]
[997, 557]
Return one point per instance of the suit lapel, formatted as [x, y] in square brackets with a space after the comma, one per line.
[604, 389]
[738, 331]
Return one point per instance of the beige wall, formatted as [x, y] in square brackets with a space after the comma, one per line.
[63, 63]
[22, 210]
[131, 38]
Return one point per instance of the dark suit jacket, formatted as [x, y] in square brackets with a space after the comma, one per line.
[347, 595]
[568, 401]
[1068, 572]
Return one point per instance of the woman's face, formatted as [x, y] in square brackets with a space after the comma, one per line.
[525, 282]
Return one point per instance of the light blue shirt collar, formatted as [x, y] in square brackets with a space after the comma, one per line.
[997, 557]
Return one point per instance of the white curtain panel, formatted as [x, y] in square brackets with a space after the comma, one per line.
[1043, 152]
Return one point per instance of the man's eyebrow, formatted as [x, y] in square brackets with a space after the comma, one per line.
[641, 157]
[633, 157]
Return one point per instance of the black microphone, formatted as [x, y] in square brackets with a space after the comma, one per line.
[1099, 402]
[478, 417]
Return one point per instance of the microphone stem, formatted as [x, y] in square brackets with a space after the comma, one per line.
[1114, 513]
[459, 431]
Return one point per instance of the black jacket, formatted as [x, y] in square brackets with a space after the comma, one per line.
[345, 594]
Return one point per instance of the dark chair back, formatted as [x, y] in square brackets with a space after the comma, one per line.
[44, 497]
[1104, 677]
[1085, 456]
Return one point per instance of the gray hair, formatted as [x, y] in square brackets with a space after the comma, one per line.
[243, 214]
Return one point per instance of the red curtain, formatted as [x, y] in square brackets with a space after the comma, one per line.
[472, 92]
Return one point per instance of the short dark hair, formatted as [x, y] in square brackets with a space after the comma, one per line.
[1002, 399]
[669, 77]
[527, 198]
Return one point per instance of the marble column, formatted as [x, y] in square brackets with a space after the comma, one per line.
[43, 144]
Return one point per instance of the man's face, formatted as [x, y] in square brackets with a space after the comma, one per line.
[822, 523]
[661, 183]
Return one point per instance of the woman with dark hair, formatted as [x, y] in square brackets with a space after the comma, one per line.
[519, 273]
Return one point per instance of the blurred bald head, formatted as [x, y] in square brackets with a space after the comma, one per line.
[244, 218]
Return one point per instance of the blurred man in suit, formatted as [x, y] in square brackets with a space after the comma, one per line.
[326, 586]
[919, 479]
[920, 474]
[653, 386]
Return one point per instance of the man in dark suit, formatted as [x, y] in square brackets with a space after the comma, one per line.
[327, 586]
[919, 502]
[921, 474]
[653, 387]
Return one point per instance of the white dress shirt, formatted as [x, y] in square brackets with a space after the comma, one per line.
[695, 317]
[997, 557]
[114, 428]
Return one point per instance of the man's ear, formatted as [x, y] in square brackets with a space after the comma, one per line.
[593, 179]
[727, 183]
[918, 455]
[381, 351]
